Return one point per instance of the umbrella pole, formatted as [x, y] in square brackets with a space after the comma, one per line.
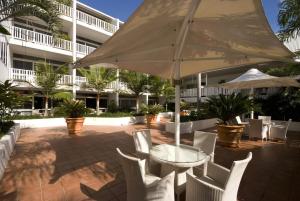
[252, 96]
[177, 104]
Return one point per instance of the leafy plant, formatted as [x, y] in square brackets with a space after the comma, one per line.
[47, 78]
[152, 109]
[73, 109]
[226, 108]
[289, 19]
[112, 107]
[45, 10]
[9, 100]
[98, 78]
[136, 82]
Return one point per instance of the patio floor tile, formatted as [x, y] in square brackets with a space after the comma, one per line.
[49, 165]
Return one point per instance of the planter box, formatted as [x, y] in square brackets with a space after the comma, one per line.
[95, 121]
[7, 143]
[189, 127]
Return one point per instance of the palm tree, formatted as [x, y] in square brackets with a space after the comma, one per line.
[289, 19]
[136, 82]
[46, 78]
[45, 10]
[161, 88]
[98, 78]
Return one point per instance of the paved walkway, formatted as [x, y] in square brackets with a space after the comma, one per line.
[49, 165]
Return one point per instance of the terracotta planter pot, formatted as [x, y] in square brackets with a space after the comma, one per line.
[230, 135]
[151, 119]
[74, 125]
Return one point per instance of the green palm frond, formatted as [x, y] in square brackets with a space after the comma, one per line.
[289, 19]
[136, 82]
[98, 78]
[45, 10]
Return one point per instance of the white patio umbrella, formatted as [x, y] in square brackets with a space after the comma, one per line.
[254, 78]
[176, 38]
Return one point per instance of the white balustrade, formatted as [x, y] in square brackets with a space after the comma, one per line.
[206, 91]
[48, 40]
[86, 18]
[29, 76]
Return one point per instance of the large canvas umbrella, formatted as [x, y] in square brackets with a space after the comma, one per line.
[254, 78]
[176, 38]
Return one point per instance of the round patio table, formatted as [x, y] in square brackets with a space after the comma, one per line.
[182, 156]
[180, 159]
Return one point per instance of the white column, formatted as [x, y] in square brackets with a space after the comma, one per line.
[118, 88]
[74, 36]
[199, 86]
[252, 96]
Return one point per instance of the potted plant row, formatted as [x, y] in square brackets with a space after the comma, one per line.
[74, 111]
[151, 112]
[226, 108]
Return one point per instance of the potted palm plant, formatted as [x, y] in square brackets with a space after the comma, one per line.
[151, 112]
[226, 108]
[74, 110]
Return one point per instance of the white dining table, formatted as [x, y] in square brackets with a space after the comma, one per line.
[180, 159]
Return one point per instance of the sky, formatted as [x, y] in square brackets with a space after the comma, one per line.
[122, 9]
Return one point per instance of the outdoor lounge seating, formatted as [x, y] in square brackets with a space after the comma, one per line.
[220, 184]
[143, 144]
[144, 186]
[279, 130]
[257, 129]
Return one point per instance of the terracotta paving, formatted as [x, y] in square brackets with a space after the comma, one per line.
[49, 165]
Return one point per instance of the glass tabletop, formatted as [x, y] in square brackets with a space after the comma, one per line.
[182, 155]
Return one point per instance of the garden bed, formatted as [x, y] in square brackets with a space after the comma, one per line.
[7, 144]
[191, 126]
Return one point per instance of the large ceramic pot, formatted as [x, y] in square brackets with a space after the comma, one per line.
[230, 135]
[151, 119]
[75, 125]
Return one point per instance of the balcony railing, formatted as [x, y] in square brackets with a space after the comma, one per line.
[88, 19]
[47, 40]
[206, 91]
[16, 74]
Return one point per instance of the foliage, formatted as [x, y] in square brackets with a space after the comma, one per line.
[194, 116]
[289, 19]
[9, 100]
[45, 10]
[288, 70]
[66, 2]
[112, 107]
[152, 109]
[112, 114]
[226, 108]
[98, 78]
[46, 78]
[136, 82]
[184, 105]
[73, 109]
[283, 105]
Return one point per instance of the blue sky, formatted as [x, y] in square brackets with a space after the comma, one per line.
[122, 9]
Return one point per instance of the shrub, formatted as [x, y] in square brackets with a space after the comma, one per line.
[73, 109]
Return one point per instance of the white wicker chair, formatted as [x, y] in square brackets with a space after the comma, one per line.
[206, 142]
[220, 184]
[279, 131]
[257, 129]
[142, 186]
[266, 119]
[143, 144]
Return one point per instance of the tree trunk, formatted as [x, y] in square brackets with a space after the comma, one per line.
[97, 104]
[137, 104]
[46, 106]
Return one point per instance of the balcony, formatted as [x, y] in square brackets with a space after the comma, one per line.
[49, 41]
[88, 19]
[16, 74]
[205, 92]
